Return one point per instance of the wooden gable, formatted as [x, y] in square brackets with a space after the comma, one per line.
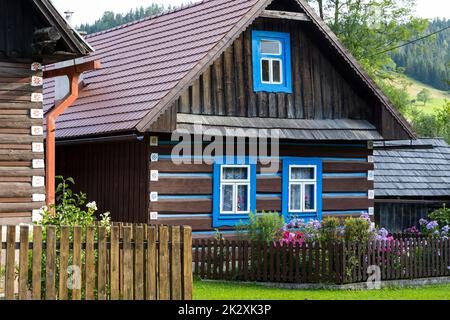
[325, 86]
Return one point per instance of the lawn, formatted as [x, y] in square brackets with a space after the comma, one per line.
[204, 290]
[438, 97]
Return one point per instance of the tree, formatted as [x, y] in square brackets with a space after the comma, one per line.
[368, 28]
[424, 96]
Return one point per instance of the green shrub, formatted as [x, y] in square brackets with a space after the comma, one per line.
[71, 209]
[357, 230]
[442, 216]
[263, 228]
[330, 229]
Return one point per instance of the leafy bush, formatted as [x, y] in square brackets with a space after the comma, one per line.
[442, 216]
[71, 209]
[357, 230]
[263, 228]
[330, 229]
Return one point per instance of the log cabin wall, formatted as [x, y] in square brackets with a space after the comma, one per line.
[21, 144]
[185, 191]
[114, 174]
[320, 89]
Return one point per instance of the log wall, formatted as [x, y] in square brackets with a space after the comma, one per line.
[185, 191]
[21, 144]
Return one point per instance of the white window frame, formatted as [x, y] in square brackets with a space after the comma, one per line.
[267, 56]
[271, 60]
[235, 183]
[303, 183]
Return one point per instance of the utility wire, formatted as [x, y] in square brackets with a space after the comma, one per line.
[412, 41]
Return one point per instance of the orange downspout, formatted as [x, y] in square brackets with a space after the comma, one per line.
[73, 73]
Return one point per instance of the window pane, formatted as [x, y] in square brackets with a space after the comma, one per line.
[242, 198]
[310, 197]
[295, 194]
[302, 173]
[227, 198]
[276, 71]
[265, 70]
[270, 47]
[235, 173]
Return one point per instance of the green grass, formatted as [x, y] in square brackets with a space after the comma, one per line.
[438, 97]
[204, 290]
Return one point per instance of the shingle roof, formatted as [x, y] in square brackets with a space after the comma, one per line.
[146, 65]
[338, 129]
[412, 172]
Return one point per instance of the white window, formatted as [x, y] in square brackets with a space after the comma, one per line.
[235, 189]
[302, 188]
[271, 62]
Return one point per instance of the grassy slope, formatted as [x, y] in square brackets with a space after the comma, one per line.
[438, 96]
[231, 291]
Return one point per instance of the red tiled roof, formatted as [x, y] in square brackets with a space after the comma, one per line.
[141, 63]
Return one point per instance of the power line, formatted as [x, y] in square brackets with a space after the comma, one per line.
[412, 41]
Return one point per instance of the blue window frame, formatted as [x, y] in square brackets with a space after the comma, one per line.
[234, 191]
[271, 61]
[302, 188]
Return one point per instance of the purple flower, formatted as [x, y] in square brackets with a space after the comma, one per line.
[383, 233]
[365, 217]
[423, 222]
[445, 229]
[432, 225]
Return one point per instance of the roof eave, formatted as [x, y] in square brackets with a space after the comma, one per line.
[73, 39]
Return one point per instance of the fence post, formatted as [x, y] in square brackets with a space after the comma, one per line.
[63, 263]
[127, 264]
[23, 263]
[139, 263]
[102, 264]
[50, 265]
[90, 264]
[76, 262]
[37, 262]
[175, 264]
[10, 262]
[115, 264]
[187, 263]
[164, 283]
[151, 289]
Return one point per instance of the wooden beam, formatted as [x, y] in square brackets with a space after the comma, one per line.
[285, 15]
[78, 68]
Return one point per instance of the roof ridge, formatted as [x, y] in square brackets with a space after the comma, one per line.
[131, 23]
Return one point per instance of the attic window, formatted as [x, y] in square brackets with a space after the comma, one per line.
[271, 62]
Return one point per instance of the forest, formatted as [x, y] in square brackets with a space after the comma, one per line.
[429, 60]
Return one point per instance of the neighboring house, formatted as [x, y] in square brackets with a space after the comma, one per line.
[412, 179]
[30, 31]
[227, 64]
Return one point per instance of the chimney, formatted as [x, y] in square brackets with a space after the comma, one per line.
[69, 15]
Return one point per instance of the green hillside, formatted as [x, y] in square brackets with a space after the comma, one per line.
[437, 100]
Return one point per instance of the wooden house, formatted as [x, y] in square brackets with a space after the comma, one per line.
[412, 179]
[251, 65]
[32, 34]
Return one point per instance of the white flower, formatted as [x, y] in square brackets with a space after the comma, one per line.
[92, 205]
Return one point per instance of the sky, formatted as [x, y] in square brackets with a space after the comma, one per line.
[87, 11]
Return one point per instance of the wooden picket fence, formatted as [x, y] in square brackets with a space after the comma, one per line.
[126, 262]
[333, 263]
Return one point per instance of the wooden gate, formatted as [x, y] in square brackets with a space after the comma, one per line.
[128, 262]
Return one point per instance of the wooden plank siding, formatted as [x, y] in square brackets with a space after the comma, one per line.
[320, 89]
[16, 139]
[185, 191]
[114, 174]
